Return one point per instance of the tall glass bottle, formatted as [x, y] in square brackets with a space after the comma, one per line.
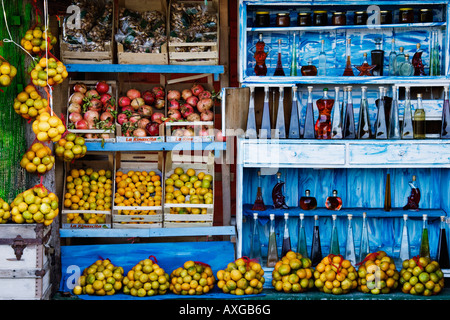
[259, 202]
[419, 69]
[405, 68]
[323, 123]
[286, 245]
[279, 67]
[445, 126]
[364, 248]
[301, 245]
[399, 60]
[364, 130]
[251, 119]
[348, 71]
[407, 124]
[380, 125]
[280, 126]
[255, 245]
[377, 56]
[294, 125]
[260, 56]
[392, 59]
[334, 242]
[387, 193]
[316, 249]
[405, 249]
[293, 58]
[419, 119]
[435, 69]
[265, 131]
[272, 251]
[424, 243]
[322, 60]
[344, 107]
[349, 119]
[336, 119]
[442, 256]
[309, 131]
[394, 122]
[350, 253]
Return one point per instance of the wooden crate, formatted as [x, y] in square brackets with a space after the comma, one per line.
[199, 164]
[25, 271]
[161, 58]
[143, 161]
[183, 53]
[96, 161]
[90, 84]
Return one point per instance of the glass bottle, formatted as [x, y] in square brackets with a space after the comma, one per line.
[445, 126]
[344, 107]
[316, 249]
[333, 202]
[260, 57]
[365, 69]
[280, 126]
[272, 251]
[323, 122]
[349, 119]
[442, 256]
[336, 117]
[255, 245]
[424, 243]
[435, 69]
[380, 125]
[279, 68]
[251, 119]
[407, 124]
[405, 249]
[277, 194]
[322, 60]
[377, 56]
[394, 120]
[364, 130]
[309, 69]
[419, 119]
[392, 59]
[414, 197]
[364, 245]
[387, 194]
[406, 68]
[399, 60]
[294, 125]
[286, 245]
[348, 71]
[301, 245]
[259, 202]
[419, 69]
[350, 253]
[334, 242]
[307, 202]
[265, 131]
[294, 58]
[309, 132]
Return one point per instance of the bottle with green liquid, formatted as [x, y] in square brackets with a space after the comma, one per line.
[334, 242]
[424, 243]
[301, 245]
[272, 251]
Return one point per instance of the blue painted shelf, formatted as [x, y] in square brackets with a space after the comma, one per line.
[157, 146]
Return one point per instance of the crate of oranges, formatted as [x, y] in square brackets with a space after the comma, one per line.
[88, 192]
[138, 191]
[189, 192]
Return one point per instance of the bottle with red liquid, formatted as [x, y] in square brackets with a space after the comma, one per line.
[419, 69]
[414, 197]
[259, 202]
[260, 57]
[307, 202]
[279, 68]
[323, 123]
[333, 202]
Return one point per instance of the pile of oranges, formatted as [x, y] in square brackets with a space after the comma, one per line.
[138, 188]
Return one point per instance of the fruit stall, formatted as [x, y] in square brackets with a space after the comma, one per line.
[169, 149]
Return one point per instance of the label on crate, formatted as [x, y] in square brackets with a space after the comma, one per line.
[190, 139]
[140, 139]
[85, 226]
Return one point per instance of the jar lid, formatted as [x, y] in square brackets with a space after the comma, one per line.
[339, 12]
[385, 11]
[406, 9]
[320, 11]
[360, 12]
[426, 9]
[282, 14]
[304, 13]
[262, 12]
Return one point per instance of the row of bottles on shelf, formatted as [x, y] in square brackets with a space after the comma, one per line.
[399, 63]
[350, 254]
[332, 202]
[336, 119]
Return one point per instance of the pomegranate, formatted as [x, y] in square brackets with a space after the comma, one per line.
[76, 97]
[186, 93]
[109, 107]
[152, 128]
[186, 110]
[90, 136]
[142, 123]
[92, 94]
[178, 132]
[149, 97]
[124, 101]
[219, 136]
[134, 117]
[145, 110]
[107, 116]
[122, 118]
[105, 98]
[80, 87]
[157, 117]
[158, 92]
[207, 115]
[81, 124]
[127, 108]
[105, 136]
[90, 116]
[197, 89]
[205, 95]
[174, 114]
[139, 132]
[160, 103]
[74, 107]
[192, 100]
[204, 104]
[102, 87]
[75, 117]
[137, 102]
[188, 132]
[193, 117]
[174, 94]
[95, 104]
[174, 104]
[133, 94]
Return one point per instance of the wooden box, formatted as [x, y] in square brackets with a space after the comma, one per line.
[194, 53]
[25, 263]
[131, 217]
[205, 164]
[161, 58]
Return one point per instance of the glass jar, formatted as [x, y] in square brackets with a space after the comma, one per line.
[304, 19]
[426, 15]
[360, 18]
[283, 20]
[406, 15]
[386, 17]
[320, 18]
[262, 19]
[338, 19]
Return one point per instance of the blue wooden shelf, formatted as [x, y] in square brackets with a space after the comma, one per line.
[147, 233]
[156, 146]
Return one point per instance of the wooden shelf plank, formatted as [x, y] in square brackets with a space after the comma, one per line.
[157, 146]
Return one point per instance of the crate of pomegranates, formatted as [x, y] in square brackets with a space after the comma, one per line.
[190, 112]
[141, 112]
[91, 109]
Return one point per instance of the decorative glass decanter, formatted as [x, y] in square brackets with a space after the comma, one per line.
[349, 119]
[406, 68]
[251, 119]
[365, 69]
[277, 194]
[307, 202]
[424, 242]
[445, 126]
[348, 71]
[272, 251]
[286, 244]
[414, 197]
[255, 245]
[333, 202]
[405, 249]
[377, 56]
[265, 131]
[279, 67]
[294, 125]
[394, 120]
[309, 132]
[350, 253]
[260, 56]
[392, 59]
[334, 242]
[364, 130]
[309, 69]
[293, 71]
[323, 123]
[419, 119]
[419, 68]
[442, 256]
[407, 124]
[364, 248]
[380, 126]
[316, 249]
[259, 202]
[399, 60]
[336, 117]
[280, 126]
[301, 245]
